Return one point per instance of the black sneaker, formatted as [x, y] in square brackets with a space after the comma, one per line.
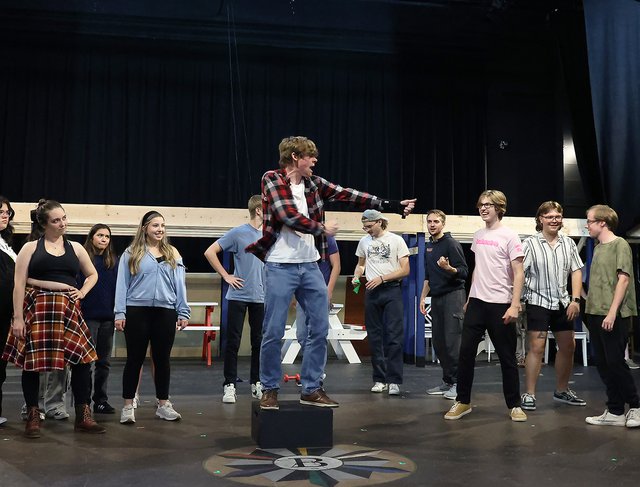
[103, 408]
[569, 397]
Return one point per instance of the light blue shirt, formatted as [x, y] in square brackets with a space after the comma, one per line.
[246, 266]
[156, 284]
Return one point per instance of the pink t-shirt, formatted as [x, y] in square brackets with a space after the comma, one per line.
[493, 275]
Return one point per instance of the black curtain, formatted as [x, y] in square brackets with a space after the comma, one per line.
[93, 120]
[613, 42]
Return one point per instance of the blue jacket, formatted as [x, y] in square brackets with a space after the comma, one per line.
[156, 284]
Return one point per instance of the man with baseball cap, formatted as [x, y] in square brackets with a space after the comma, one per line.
[383, 257]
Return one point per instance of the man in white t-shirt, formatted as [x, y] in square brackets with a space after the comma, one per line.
[294, 237]
[493, 305]
[384, 258]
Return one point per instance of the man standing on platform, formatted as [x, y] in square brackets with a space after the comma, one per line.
[245, 293]
[293, 239]
[384, 258]
[493, 305]
[445, 273]
[611, 302]
[549, 259]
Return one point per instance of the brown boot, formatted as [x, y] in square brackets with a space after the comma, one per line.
[84, 421]
[32, 428]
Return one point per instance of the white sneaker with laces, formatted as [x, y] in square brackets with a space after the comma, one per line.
[379, 387]
[607, 419]
[256, 390]
[167, 412]
[127, 416]
[394, 390]
[136, 401]
[633, 418]
[229, 395]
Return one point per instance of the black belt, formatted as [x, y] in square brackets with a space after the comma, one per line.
[390, 284]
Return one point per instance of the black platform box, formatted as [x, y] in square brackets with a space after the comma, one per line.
[292, 426]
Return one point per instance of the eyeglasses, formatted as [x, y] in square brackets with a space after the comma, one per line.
[555, 218]
[6, 213]
[371, 225]
[486, 205]
[589, 222]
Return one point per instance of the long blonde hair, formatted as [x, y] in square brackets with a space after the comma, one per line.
[138, 246]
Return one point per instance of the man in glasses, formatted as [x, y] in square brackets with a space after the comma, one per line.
[445, 273]
[294, 238]
[384, 258]
[493, 305]
[549, 259]
[611, 303]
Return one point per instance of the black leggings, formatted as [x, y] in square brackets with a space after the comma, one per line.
[80, 383]
[148, 325]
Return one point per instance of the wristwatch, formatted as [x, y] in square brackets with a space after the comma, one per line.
[576, 300]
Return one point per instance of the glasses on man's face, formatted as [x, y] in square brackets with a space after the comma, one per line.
[485, 205]
[552, 218]
[369, 225]
[589, 222]
[5, 213]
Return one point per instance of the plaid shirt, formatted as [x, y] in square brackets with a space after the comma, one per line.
[279, 208]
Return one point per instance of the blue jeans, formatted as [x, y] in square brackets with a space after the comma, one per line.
[282, 282]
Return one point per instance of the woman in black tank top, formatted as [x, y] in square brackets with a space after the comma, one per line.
[46, 305]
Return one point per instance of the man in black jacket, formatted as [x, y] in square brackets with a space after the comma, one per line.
[445, 273]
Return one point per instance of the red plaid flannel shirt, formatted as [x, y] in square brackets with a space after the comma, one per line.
[279, 209]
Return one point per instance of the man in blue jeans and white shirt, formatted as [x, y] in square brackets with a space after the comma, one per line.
[293, 239]
[245, 293]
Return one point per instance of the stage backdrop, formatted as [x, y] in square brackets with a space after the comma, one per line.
[613, 41]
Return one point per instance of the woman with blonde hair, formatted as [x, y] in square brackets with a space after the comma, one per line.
[48, 330]
[151, 303]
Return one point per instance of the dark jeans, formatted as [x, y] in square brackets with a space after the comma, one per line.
[80, 384]
[235, 324]
[608, 348]
[481, 316]
[446, 325]
[144, 325]
[102, 337]
[383, 316]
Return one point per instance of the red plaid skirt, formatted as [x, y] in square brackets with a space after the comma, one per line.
[55, 334]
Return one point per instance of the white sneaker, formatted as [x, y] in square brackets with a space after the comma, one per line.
[394, 390]
[633, 418]
[136, 401]
[127, 416]
[607, 419]
[167, 412]
[3, 420]
[379, 387]
[229, 395]
[256, 390]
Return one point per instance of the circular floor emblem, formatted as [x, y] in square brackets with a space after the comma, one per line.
[340, 466]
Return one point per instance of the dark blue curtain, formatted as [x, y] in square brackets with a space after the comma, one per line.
[613, 44]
